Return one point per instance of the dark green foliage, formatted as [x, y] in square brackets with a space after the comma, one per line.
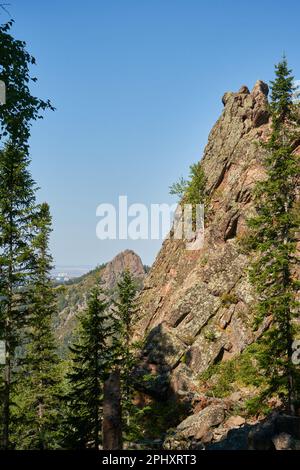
[17, 198]
[21, 106]
[224, 378]
[125, 351]
[90, 365]
[160, 416]
[257, 405]
[282, 94]
[35, 413]
[71, 298]
[273, 238]
[17, 208]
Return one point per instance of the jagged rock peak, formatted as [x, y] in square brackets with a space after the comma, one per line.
[250, 108]
[244, 89]
[260, 87]
[127, 259]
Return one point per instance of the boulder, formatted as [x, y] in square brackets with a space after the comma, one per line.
[283, 441]
[279, 431]
[199, 424]
[236, 439]
[235, 421]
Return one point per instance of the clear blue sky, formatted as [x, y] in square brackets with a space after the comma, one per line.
[137, 85]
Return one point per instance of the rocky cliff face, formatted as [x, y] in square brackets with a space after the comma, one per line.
[72, 298]
[196, 305]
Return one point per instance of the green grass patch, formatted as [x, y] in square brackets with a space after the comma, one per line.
[226, 377]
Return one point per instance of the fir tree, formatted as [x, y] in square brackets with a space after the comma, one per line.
[273, 237]
[90, 363]
[36, 415]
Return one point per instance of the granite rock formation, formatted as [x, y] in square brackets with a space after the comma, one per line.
[196, 305]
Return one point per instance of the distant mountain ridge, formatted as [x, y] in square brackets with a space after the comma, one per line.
[72, 296]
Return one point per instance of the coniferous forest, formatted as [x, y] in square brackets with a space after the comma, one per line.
[198, 352]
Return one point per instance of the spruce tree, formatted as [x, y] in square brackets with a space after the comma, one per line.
[282, 92]
[273, 237]
[36, 398]
[125, 350]
[90, 363]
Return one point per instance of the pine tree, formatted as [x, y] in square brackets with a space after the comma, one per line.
[273, 237]
[124, 350]
[90, 365]
[36, 415]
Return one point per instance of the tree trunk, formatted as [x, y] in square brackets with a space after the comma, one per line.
[291, 384]
[6, 399]
[112, 414]
[290, 371]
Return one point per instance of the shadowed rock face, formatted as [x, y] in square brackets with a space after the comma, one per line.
[202, 299]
